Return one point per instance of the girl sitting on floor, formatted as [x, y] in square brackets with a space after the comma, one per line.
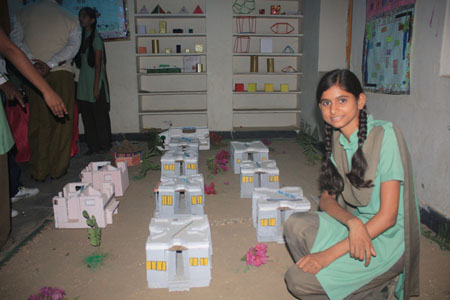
[364, 243]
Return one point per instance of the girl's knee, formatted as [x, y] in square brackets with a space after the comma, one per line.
[298, 222]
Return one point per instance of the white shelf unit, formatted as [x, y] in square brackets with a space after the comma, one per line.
[165, 99]
[268, 110]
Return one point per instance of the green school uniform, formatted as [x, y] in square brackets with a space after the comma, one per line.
[345, 275]
[85, 90]
[6, 138]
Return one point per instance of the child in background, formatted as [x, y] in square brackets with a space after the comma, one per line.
[92, 90]
[364, 243]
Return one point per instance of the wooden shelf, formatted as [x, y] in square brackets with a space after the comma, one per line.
[268, 54]
[267, 93]
[182, 73]
[150, 35]
[267, 73]
[262, 111]
[143, 93]
[169, 54]
[161, 16]
[288, 35]
[174, 112]
[300, 16]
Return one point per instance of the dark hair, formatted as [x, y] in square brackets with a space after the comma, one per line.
[91, 13]
[329, 179]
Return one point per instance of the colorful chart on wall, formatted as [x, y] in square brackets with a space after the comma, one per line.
[387, 46]
[112, 24]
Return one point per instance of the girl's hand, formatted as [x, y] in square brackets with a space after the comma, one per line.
[360, 242]
[314, 262]
[96, 93]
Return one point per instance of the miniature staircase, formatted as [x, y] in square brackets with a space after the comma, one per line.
[178, 285]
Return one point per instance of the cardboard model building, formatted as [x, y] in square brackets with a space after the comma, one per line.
[254, 151]
[103, 171]
[179, 163]
[258, 174]
[180, 195]
[68, 206]
[200, 133]
[272, 207]
[182, 143]
[178, 253]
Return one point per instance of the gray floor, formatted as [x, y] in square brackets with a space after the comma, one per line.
[33, 212]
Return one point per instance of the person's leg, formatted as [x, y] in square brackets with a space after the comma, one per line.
[14, 174]
[39, 133]
[300, 232]
[90, 131]
[102, 122]
[5, 205]
[61, 140]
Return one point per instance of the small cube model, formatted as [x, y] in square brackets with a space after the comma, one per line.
[284, 87]
[272, 207]
[179, 163]
[183, 143]
[252, 87]
[68, 206]
[201, 133]
[268, 87]
[239, 87]
[103, 171]
[258, 174]
[240, 151]
[176, 195]
[178, 253]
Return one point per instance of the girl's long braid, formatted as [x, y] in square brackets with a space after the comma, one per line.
[329, 179]
[359, 163]
[91, 53]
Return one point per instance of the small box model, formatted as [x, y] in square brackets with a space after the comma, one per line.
[258, 174]
[179, 163]
[68, 206]
[200, 133]
[284, 87]
[272, 207]
[178, 253]
[183, 143]
[268, 87]
[252, 87]
[99, 172]
[254, 151]
[180, 195]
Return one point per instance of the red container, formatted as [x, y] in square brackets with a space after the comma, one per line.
[239, 87]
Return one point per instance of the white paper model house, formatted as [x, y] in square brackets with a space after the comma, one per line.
[200, 133]
[254, 151]
[103, 171]
[178, 253]
[68, 206]
[182, 143]
[179, 163]
[180, 195]
[258, 174]
[272, 207]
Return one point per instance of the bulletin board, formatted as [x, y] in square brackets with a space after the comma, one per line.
[387, 46]
[113, 21]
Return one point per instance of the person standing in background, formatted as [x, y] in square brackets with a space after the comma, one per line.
[50, 37]
[92, 90]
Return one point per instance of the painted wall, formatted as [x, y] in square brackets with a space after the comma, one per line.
[332, 34]
[423, 115]
[310, 68]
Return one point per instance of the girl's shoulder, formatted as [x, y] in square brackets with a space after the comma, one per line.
[386, 125]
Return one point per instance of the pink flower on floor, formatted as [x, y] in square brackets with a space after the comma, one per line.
[48, 293]
[210, 189]
[256, 256]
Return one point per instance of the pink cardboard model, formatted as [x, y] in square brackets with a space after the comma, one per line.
[102, 171]
[68, 206]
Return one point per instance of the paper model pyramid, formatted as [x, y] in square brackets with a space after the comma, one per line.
[183, 10]
[158, 10]
[143, 10]
[288, 49]
[198, 10]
